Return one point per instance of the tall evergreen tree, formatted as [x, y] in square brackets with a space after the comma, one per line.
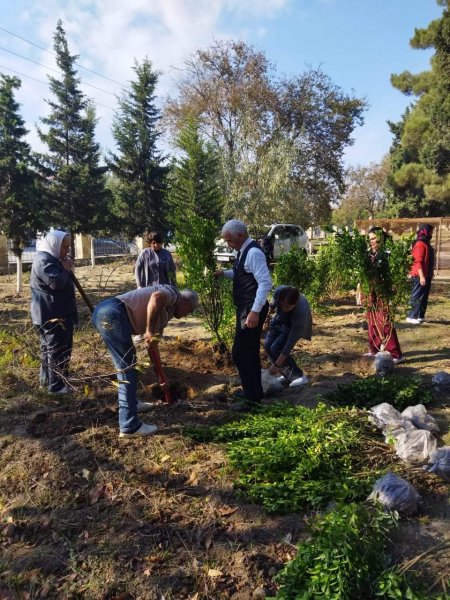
[20, 210]
[139, 165]
[420, 154]
[195, 179]
[75, 179]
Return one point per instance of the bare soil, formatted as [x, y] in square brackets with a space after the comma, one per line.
[84, 515]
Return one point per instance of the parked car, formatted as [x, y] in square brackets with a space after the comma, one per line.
[278, 239]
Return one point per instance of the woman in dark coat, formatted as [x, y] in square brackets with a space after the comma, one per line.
[421, 274]
[53, 308]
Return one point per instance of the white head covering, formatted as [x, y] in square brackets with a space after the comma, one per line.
[51, 242]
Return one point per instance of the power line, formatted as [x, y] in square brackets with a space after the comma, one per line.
[55, 70]
[46, 83]
[53, 54]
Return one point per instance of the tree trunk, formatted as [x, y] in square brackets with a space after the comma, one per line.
[19, 273]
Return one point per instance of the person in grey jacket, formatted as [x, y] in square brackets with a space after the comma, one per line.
[292, 321]
[53, 308]
[155, 264]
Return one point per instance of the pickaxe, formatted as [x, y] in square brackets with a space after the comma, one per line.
[153, 350]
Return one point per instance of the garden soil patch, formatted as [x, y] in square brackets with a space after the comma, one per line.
[86, 515]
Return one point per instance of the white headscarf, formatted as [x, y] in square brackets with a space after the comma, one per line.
[51, 242]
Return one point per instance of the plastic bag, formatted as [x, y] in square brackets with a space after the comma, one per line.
[440, 463]
[441, 379]
[394, 493]
[270, 383]
[383, 363]
[415, 445]
[385, 416]
[420, 418]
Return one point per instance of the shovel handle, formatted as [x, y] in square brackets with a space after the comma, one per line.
[82, 292]
[162, 379]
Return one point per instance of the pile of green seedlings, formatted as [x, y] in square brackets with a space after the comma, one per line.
[290, 458]
[346, 559]
[398, 390]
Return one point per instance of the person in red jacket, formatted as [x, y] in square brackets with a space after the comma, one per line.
[421, 274]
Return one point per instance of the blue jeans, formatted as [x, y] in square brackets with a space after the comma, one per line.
[111, 321]
[274, 343]
[419, 298]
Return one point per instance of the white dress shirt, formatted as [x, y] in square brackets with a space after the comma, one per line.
[256, 264]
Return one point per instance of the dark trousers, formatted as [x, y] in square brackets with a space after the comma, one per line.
[56, 340]
[274, 343]
[245, 353]
[419, 298]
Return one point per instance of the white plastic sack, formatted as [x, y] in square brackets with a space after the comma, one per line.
[385, 415]
[270, 383]
[391, 422]
[441, 379]
[440, 463]
[383, 363]
[420, 418]
[415, 445]
[394, 493]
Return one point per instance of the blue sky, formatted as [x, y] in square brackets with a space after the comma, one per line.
[357, 43]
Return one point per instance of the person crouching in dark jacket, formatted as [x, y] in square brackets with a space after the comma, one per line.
[53, 309]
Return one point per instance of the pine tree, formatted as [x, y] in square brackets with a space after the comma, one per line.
[20, 210]
[138, 164]
[195, 178]
[75, 179]
[420, 154]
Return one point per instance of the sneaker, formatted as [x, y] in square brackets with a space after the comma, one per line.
[303, 380]
[281, 379]
[413, 321]
[421, 319]
[398, 361]
[144, 429]
[368, 355]
[144, 406]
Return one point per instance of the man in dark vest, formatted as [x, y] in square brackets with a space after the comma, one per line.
[251, 286]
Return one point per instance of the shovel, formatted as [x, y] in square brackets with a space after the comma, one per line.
[153, 352]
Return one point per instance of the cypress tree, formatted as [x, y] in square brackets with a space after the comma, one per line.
[195, 179]
[20, 211]
[75, 179]
[138, 165]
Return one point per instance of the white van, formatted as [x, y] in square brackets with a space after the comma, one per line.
[282, 237]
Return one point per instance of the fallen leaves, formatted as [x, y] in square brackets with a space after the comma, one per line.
[192, 479]
[214, 573]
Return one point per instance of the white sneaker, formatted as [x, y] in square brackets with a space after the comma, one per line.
[398, 360]
[144, 429]
[303, 380]
[413, 321]
[144, 406]
[281, 378]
